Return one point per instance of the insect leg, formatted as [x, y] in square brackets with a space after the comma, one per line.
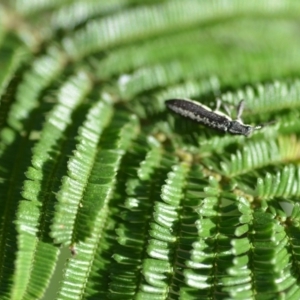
[239, 109]
[219, 102]
[227, 109]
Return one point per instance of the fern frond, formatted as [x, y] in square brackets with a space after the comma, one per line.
[133, 231]
[162, 17]
[13, 55]
[43, 71]
[38, 196]
[163, 241]
[71, 195]
[151, 160]
[253, 156]
[15, 153]
[272, 97]
[270, 256]
[284, 184]
[73, 14]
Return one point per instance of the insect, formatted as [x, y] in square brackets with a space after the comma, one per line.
[214, 119]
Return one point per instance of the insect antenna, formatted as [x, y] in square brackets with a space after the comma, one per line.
[260, 126]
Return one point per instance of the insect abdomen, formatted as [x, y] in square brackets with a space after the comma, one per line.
[199, 113]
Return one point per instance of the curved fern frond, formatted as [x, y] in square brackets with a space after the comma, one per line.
[15, 152]
[162, 17]
[272, 97]
[284, 184]
[37, 192]
[80, 176]
[258, 154]
[270, 235]
[73, 14]
[12, 57]
[254, 155]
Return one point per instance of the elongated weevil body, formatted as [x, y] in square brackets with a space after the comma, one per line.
[215, 119]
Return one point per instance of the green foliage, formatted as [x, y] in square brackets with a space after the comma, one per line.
[148, 205]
